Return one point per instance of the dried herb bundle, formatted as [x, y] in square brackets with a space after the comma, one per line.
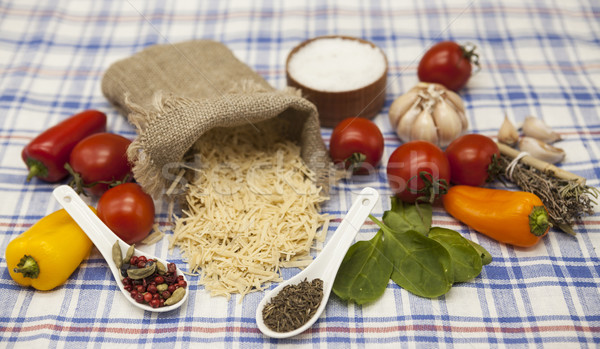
[293, 306]
[565, 195]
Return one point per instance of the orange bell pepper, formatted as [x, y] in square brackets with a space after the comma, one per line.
[514, 217]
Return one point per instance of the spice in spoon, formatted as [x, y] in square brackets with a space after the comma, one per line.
[293, 306]
[147, 280]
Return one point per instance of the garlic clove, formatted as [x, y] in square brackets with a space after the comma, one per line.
[406, 121]
[423, 128]
[401, 105]
[456, 101]
[541, 150]
[508, 133]
[463, 119]
[423, 86]
[447, 122]
[536, 128]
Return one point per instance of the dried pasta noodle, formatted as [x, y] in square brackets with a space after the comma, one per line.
[252, 208]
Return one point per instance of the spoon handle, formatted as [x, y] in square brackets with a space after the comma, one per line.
[349, 227]
[95, 229]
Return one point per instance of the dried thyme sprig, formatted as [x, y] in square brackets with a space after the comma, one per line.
[565, 199]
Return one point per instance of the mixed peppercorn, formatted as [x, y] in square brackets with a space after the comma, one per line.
[149, 282]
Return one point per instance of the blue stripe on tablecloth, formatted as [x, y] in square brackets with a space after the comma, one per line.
[332, 319]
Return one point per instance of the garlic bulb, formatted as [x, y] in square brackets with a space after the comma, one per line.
[508, 133]
[536, 128]
[541, 150]
[429, 112]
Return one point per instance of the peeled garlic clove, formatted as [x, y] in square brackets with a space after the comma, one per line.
[447, 122]
[541, 150]
[423, 128]
[406, 121]
[508, 133]
[536, 128]
[401, 105]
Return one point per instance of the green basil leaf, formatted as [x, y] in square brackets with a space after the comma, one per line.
[421, 265]
[466, 261]
[486, 257]
[403, 217]
[364, 272]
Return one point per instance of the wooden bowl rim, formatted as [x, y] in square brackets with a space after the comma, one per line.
[356, 90]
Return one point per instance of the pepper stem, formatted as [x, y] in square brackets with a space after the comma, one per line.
[36, 168]
[538, 221]
[28, 267]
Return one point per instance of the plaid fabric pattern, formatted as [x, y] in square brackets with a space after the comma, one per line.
[539, 57]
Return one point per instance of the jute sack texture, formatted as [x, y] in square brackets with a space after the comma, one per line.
[174, 93]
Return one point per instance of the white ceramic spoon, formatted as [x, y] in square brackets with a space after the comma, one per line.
[104, 239]
[327, 263]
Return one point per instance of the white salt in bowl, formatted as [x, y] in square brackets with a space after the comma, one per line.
[343, 76]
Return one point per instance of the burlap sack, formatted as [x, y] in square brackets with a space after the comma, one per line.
[173, 94]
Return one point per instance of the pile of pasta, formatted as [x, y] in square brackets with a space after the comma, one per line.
[252, 207]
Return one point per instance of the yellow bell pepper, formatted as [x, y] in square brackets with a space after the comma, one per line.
[48, 253]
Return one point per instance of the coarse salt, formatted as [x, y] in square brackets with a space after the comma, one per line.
[337, 64]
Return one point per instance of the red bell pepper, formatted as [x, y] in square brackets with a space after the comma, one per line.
[47, 154]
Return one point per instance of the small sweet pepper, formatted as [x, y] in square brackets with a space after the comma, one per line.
[48, 253]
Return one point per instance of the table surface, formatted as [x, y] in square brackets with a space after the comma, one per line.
[538, 58]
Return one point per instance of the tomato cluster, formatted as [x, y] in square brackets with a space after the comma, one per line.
[417, 170]
[101, 168]
[421, 171]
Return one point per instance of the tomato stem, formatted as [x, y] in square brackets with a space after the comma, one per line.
[76, 182]
[468, 51]
[431, 188]
[354, 162]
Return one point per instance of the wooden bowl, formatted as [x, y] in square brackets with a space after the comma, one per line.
[333, 107]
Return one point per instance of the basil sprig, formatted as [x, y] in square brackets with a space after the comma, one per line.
[422, 259]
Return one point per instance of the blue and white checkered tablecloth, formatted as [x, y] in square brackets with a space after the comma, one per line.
[538, 58]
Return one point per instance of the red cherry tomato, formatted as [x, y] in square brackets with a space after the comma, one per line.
[358, 144]
[449, 64]
[470, 157]
[101, 157]
[418, 171]
[128, 211]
